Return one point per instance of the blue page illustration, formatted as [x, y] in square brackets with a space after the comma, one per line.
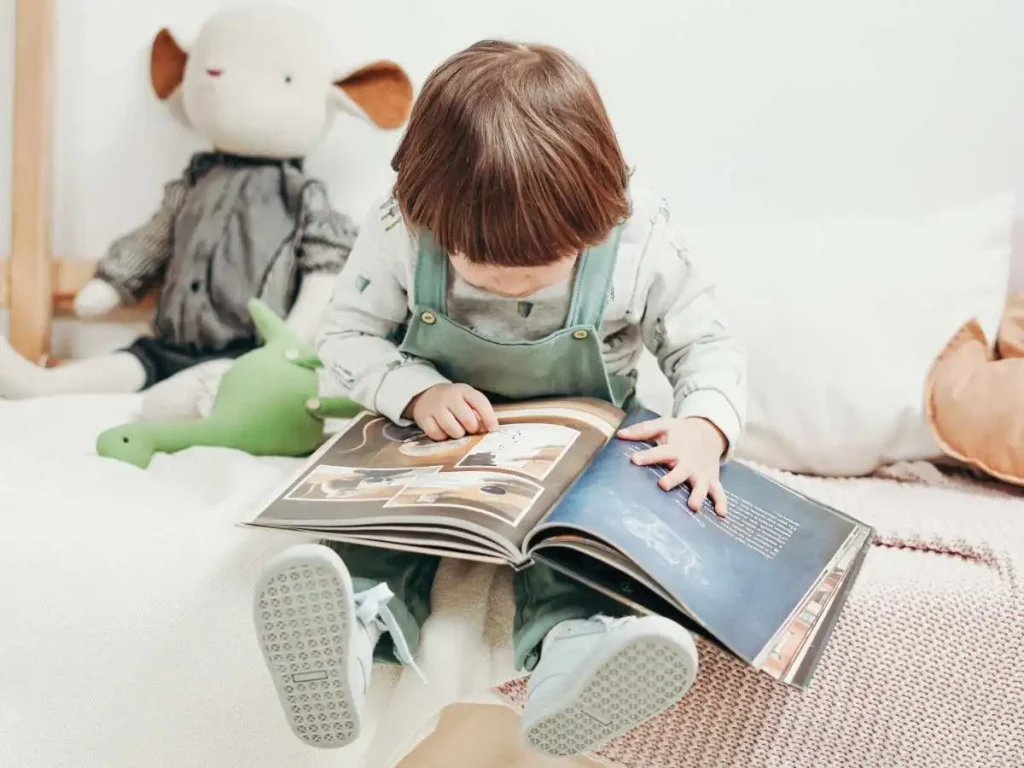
[741, 576]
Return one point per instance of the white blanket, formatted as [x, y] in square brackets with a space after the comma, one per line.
[125, 598]
[126, 638]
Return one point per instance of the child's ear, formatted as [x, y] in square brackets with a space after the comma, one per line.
[167, 60]
[380, 93]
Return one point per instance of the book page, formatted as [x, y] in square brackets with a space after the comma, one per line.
[496, 484]
[792, 655]
[743, 577]
[756, 528]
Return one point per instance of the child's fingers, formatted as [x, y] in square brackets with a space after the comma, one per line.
[661, 454]
[467, 417]
[698, 494]
[447, 421]
[478, 400]
[432, 430]
[645, 430]
[717, 493]
[676, 477]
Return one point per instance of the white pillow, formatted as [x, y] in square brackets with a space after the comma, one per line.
[842, 319]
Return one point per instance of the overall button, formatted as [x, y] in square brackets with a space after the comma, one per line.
[580, 334]
[195, 286]
[429, 318]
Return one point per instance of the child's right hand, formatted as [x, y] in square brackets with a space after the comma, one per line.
[452, 410]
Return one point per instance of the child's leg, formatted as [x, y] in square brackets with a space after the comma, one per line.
[409, 576]
[322, 614]
[544, 599]
[597, 672]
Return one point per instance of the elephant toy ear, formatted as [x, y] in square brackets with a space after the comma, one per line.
[380, 93]
[167, 61]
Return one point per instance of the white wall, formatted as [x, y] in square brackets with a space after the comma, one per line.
[738, 109]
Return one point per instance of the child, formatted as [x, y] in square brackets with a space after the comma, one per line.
[513, 260]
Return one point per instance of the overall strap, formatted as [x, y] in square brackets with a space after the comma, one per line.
[430, 290]
[593, 280]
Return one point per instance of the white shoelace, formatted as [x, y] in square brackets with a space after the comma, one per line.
[612, 622]
[372, 608]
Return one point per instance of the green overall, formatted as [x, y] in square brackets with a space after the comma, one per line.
[568, 362]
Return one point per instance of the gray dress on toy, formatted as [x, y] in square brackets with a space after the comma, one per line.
[231, 229]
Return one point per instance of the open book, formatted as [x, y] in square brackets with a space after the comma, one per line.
[554, 484]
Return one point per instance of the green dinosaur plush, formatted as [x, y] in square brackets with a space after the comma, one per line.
[267, 404]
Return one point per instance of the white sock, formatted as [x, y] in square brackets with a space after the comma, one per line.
[119, 372]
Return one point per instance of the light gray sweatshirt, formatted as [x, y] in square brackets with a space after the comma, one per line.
[658, 299]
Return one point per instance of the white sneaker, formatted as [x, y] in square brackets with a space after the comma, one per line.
[600, 678]
[317, 638]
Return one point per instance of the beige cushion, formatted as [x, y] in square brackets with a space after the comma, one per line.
[975, 402]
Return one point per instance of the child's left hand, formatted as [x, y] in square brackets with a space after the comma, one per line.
[691, 448]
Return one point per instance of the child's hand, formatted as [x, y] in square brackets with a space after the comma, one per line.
[452, 410]
[692, 448]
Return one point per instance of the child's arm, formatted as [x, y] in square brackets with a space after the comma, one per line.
[683, 326]
[370, 301]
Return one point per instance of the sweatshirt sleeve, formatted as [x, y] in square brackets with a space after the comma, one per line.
[327, 235]
[684, 327]
[137, 259]
[369, 304]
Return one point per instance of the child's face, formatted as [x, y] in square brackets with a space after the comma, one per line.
[513, 282]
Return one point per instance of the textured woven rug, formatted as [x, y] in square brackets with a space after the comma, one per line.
[925, 663]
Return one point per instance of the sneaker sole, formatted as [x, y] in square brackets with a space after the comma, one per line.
[305, 620]
[645, 674]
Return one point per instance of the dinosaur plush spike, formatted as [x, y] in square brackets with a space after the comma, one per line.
[267, 404]
[272, 329]
[332, 407]
[310, 360]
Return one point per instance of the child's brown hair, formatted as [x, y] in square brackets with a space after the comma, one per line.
[510, 158]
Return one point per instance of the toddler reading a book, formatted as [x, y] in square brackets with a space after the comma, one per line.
[514, 259]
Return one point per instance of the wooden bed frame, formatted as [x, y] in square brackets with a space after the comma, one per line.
[34, 286]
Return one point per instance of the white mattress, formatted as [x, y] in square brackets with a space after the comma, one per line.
[124, 595]
[126, 638]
